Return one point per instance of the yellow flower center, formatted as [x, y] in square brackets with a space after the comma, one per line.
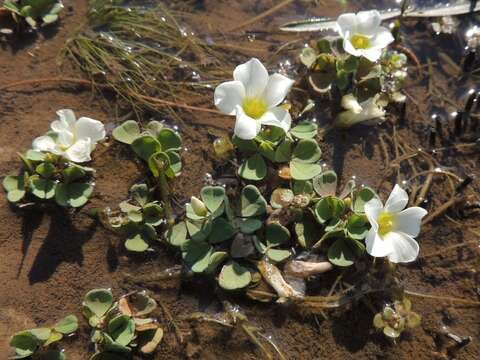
[385, 223]
[254, 107]
[360, 41]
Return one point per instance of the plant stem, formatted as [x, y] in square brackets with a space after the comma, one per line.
[445, 298]
[165, 195]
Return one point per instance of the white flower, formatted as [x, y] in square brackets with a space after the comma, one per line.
[393, 228]
[358, 112]
[71, 138]
[198, 206]
[362, 34]
[253, 97]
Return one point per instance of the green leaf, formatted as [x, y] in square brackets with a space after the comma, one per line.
[272, 134]
[254, 168]
[177, 234]
[122, 329]
[215, 260]
[175, 162]
[158, 163]
[72, 173]
[278, 255]
[25, 344]
[199, 230]
[50, 19]
[304, 187]
[308, 232]
[357, 227]
[266, 148]
[361, 198]
[154, 127]
[213, 197]
[252, 202]
[276, 234]
[306, 151]
[98, 301]
[233, 276]
[325, 184]
[35, 155]
[54, 337]
[73, 194]
[153, 214]
[305, 130]
[283, 152]
[341, 254]
[249, 225]
[67, 325]
[350, 64]
[245, 145]
[140, 193]
[169, 139]
[329, 208]
[41, 334]
[15, 187]
[197, 254]
[127, 132]
[138, 237]
[303, 171]
[221, 230]
[42, 188]
[145, 146]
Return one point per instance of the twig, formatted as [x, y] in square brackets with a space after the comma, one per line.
[440, 210]
[448, 248]
[445, 298]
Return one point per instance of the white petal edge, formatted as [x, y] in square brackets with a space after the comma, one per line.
[253, 75]
[405, 248]
[90, 128]
[373, 208]
[349, 48]
[66, 116]
[409, 220]
[376, 246]
[80, 151]
[372, 54]
[382, 38]
[278, 117]
[346, 23]
[44, 143]
[278, 87]
[228, 96]
[368, 22]
[246, 128]
[397, 200]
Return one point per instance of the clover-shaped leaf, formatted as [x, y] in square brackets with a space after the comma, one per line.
[127, 132]
[177, 234]
[305, 130]
[254, 168]
[122, 329]
[159, 163]
[42, 188]
[325, 184]
[213, 197]
[73, 194]
[215, 260]
[304, 171]
[306, 151]
[329, 208]
[98, 301]
[145, 146]
[278, 255]
[252, 202]
[357, 227]
[199, 230]
[35, 155]
[153, 214]
[276, 234]
[283, 152]
[15, 187]
[361, 198]
[266, 149]
[234, 276]
[343, 252]
[67, 325]
[175, 162]
[249, 225]
[304, 187]
[169, 139]
[245, 145]
[45, 169]
[197, 254]
[72, 173]
[25, 344]
[307, 232]
[221, 230]
[138, 237]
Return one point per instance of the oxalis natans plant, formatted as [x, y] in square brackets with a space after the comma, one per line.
[158, 147]
[41, 343]
[51, 170]
[35, 13]
[120, 327]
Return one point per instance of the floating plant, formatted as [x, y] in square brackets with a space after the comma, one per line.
[39, 343]
[51, 170]
[396, 318]
[33, 12]
[119, 327]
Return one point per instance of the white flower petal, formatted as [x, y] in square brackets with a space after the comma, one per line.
[66, 120]
[80, 151]
[367, 22]
[410, 220]
[253, 75]
[376, 246]
[397, 200]
[65, 139]
[228, 95]
[278, 87]
[349, 48]
[246, 128]
[278, 117]
[44, 143]
[405, 248]
[90, 128]
[372, 54]
[373, 208]
[350, 102]
[382, 38]
[346, 23]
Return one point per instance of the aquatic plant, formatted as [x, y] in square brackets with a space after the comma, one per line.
[394, 227]
[34, 12]
[396, 318]
[51, 170]
[121, 326]
[158, 146]
[254, 98]
[38, 343]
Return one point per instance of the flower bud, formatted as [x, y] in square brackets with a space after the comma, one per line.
[198, 206]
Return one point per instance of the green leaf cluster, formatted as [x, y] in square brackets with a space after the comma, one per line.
[48, 177]
[273, 146]
[35, 342]
[34, 11]
[157, 145]
[120, 326]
